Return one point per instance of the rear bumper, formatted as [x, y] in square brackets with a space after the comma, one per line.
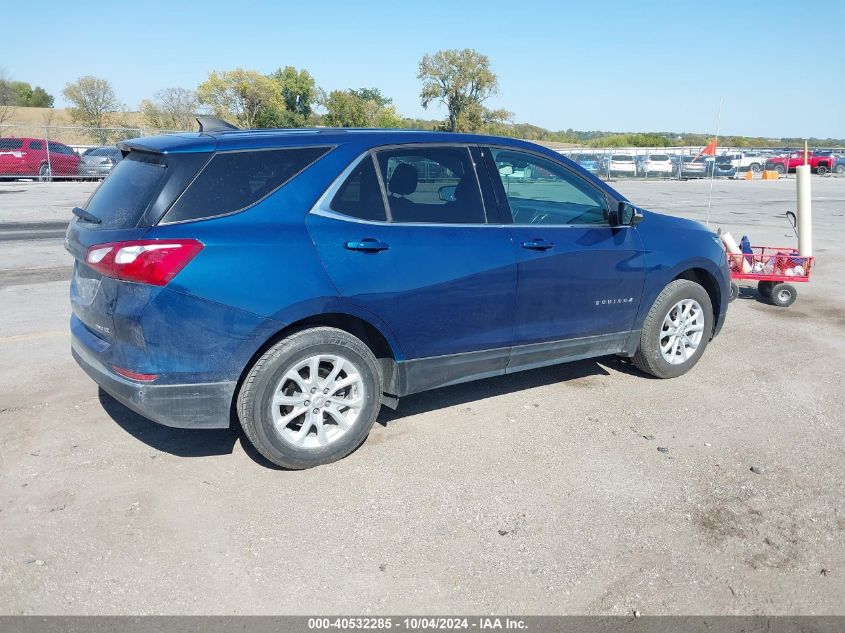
[186, 406]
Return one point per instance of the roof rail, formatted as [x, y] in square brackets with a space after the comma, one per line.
[212, 124]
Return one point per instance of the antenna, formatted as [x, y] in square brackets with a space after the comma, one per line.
[713, 173]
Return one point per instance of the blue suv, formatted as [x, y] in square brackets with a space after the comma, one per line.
[296, 280]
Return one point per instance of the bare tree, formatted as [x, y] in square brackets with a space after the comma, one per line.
[171, 109]
[7, 99]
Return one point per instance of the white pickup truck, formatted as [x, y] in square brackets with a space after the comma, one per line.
[746, 161]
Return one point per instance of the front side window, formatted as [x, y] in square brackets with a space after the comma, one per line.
[10, 143]
[540, 191]
[431, 185]
[232, 181]
[36, 145]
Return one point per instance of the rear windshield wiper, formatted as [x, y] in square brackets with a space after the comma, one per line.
[82, 214]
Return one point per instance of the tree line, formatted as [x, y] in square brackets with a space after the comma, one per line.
[460, 80]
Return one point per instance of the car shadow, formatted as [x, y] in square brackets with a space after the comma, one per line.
[180, 442]
[501, 385]
[211, 442]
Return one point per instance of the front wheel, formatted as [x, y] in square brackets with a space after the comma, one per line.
[311, 399]
[783, 295]
[755, 167]
[780, 169]
[839, 169]
[44, 173]
[676, 330]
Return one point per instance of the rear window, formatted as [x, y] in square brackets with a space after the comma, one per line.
[10, 143]
[122, 199]
[233, 181]
[622, 158]
[103, 151]
[659, 157]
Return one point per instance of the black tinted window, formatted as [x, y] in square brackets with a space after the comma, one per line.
[36, 145]
[431, 184]
[58, 148]
[123, 197]
[10, 143]
[360, 195]
[233, 181]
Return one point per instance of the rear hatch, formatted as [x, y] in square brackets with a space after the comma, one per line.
[138, 191]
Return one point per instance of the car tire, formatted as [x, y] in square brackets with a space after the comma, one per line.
[662, 354]
[821, 170]
[755, 167]
[839, 169]
[44, 174]
[780, 169]
[783, 295]
[293, 417]
[764, 288]
[734, 292]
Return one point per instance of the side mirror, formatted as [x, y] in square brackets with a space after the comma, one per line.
[627, 215]
[447, 194]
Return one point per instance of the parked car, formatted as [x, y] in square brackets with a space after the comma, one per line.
[591, 162]
[746, 161]
[29, 158]
[654, 165]
[302, 279]
[690, 167]
[819, 163]
[98, 162]
[621, 165]
[724, 167]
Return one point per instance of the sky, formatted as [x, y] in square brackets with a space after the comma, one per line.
[598, 65]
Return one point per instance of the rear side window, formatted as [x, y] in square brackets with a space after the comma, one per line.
[36, 145]
[431, 185]
[233, 181]
[122, 199]
[10, 143]
[360, 194]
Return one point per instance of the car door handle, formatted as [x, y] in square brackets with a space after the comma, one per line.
[367, 245]
[537, 245]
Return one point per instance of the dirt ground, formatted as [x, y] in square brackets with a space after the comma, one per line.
[537, 493]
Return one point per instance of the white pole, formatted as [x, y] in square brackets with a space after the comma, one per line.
[713, 173]
[805, 208]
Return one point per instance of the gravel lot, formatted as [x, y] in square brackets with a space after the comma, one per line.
[534, 493]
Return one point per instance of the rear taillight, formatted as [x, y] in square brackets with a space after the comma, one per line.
[153, 262]
[134, 375]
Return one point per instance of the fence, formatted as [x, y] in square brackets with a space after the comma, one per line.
[61, 152]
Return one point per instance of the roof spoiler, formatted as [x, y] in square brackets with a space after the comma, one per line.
[212, 124]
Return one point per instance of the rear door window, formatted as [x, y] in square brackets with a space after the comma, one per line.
[36, 145]
[431, 185]
[233, 181]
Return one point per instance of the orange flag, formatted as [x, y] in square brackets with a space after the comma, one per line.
[710, 150]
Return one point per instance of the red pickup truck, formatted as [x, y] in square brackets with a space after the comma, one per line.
[820, 164]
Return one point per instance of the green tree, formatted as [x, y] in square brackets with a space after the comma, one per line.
[244, 97]
[94, 104]
[346, 108]
[372, 94]
[171, 109]
[299, 92]
[462, 81]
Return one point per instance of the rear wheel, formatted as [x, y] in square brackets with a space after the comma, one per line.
[311, 399]
[764, 288]
[780, 169]
[784, 295]
[755, 167]
[821, 170]
[44, 173]
[676, 330]
[839, 169]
